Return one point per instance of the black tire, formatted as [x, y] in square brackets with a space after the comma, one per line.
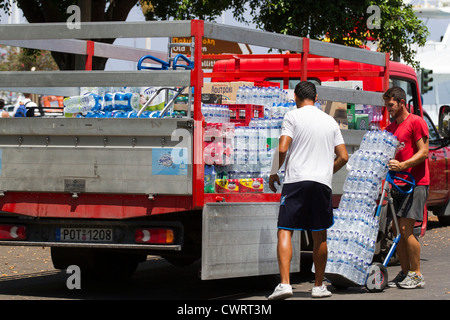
[439, 211]
[444, 220]
[377, 278]
[97, 264]
[339, 287]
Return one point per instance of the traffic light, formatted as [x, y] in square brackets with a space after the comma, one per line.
[425, 80]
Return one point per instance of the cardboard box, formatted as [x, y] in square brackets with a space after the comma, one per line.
[227, 90]
[211, 98]
[181, 102]
[338, 111]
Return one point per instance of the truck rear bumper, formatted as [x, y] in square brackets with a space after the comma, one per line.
[93, 245]
[135, 234]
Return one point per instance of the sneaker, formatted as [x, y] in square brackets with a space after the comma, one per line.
[412, 281]
[282, 291]
[399, 278]
[320, 292]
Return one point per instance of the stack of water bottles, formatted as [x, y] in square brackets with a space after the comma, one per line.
[269, 97]
[216, 113]
[110, 105]
[351, 240]
[253, 144]
[252, 158]
[252, 151]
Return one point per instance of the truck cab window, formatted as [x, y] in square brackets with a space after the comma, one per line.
[293, 82]
[434, 135]
[411, 94]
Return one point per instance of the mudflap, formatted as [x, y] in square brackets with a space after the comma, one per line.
[240, 240]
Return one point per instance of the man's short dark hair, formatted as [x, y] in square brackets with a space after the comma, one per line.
[397, 93]
[306, 90]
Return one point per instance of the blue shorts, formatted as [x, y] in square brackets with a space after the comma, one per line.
[305, 205]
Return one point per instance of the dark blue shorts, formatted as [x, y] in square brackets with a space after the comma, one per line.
[305, 205]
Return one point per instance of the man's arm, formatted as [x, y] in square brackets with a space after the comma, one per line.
[278, 160]
[418, 157]
[341, 157]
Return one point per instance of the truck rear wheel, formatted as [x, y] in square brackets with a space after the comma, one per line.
[97, 264]
[444, 220]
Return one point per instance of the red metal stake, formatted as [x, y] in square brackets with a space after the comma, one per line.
[90, 50]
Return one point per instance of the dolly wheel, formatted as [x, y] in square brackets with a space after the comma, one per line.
[377, 278]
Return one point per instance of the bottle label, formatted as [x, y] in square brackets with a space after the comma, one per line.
[251, 185]
[226, 186]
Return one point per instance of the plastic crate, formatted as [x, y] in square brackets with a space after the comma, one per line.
[242, 114]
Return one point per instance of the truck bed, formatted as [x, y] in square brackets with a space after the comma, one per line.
[83, 155]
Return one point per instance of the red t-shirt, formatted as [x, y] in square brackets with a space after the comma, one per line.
[408, 133]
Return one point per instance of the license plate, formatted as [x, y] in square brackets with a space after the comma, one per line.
[84, 234]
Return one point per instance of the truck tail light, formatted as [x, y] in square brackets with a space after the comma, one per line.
[154, 236]
[11, 232]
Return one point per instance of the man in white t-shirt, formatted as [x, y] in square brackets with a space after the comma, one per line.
[312, 145]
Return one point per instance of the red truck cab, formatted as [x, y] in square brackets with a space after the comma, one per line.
[286, 70]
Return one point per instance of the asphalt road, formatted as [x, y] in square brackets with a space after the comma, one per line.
[27, 273]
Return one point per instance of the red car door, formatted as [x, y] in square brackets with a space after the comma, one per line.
[437, 157]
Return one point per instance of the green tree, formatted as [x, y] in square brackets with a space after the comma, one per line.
[191, 9]
[36, 11]
[117, 10]
[345, 22]
[23, 59]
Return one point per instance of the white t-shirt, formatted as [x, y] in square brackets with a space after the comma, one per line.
[311, 155]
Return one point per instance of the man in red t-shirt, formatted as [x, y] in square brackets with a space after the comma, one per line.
[412, 157]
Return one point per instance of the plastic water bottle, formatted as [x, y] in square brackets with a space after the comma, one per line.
[241, 142]
[255, 96]
[253, 139]
[80, 104]
[383, 141]
[364, 142]
[239, 95]
[351, 201]
[265, 175]
[337, 219]
[263, 135]
[276, 96]
[343, 204]
[339, 262]
[253, 160]
[344, 240]
[376, 185]
[108, 102]
[331, 265]
[247, 97]
[351, 240]
[210, 178]
[359, 202]
[260, 101]
[269, 96]
[336, 237]
[371, 250]
[352, 217]
[120, 102]
[347, 264]
[354, 161]
[243, 95]
[356, 180]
